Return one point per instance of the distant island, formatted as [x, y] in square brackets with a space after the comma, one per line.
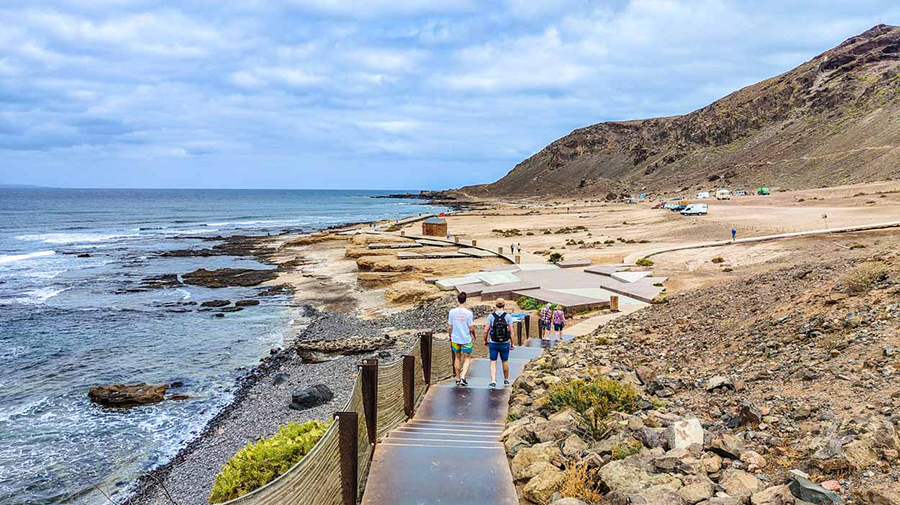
[19, 186]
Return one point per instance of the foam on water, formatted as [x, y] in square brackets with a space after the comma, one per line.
[75, 238]
[34, 297]
[10, 258]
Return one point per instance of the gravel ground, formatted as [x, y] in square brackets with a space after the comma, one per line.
[260, 406]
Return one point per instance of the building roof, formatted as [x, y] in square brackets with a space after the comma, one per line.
[435, 220]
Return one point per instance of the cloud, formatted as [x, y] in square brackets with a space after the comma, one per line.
[393, 93]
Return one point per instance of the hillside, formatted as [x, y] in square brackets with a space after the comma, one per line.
[833, 120]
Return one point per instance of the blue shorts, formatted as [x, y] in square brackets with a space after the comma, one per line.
[502, 349]
[558, 326]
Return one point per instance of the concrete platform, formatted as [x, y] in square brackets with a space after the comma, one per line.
[403, 255]
[402, 245]
[574, 264]
[435, 243]
[573, 303]
[476, 253]
[443, 255]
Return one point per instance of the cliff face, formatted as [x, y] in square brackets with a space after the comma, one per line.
[833, 120]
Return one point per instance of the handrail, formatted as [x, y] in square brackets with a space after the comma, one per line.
[325, 475]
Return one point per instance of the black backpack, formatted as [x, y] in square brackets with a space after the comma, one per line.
[500, 329]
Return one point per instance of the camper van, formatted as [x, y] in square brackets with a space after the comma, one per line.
[723, 194]
[702, 195]
[695, 209]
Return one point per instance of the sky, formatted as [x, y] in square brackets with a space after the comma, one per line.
[374, 94]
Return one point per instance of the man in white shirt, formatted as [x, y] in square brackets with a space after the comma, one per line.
[461, 328]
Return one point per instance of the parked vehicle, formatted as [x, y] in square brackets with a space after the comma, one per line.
[762, 191]
[695, 209]
[723, 194]
[679, 208]
[670, 206]
[702, 195]
[631, 200]
[740, 192]
[659, 205]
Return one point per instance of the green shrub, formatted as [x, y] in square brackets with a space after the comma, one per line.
[644, 262]
[526, 303]
[857, 245]
[625, 449]
[258, 464]
[555, 258]
[393, 227]
[718, 259]
[593, 402]
[727, 269]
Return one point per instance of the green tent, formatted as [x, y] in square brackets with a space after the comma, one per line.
[762, 191]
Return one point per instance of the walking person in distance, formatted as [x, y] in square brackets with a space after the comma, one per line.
[461, 329]
[498, 338]
[559, 321]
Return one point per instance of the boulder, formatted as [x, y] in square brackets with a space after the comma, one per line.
[225, 277]
[740, 484]
[628, 477]
[657, 497]
[315, 357]
[246, 303]
[216, 303]
[727, 445]
[542, 486]
[125, 395]
[753, 458]
[534, 469]
[808, 491]
[887, 495]
[526, 456]
[683, 434]
[349, 345]
[775, 495]
[569, 501]
[311, 397]
[573, 445]
[697, 492]
[719, 382]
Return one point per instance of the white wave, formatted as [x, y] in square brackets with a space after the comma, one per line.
[218, 224]
[193, 232]
[23, 410]
[75, 238]
[34, 297]
[186, 293]
[9, 258]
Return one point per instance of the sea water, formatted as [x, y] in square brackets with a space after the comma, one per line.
[69, 322]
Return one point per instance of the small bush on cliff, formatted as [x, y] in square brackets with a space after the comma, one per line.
[555, 258]
[863, 277]
[258, 464]
[593, 402]
[583, 483]
[625, 449]
[718, 259]
[644, 262]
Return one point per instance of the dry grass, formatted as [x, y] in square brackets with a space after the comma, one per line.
[863, 277]
[583, 483]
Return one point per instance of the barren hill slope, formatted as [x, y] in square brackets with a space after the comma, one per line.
[833, 120]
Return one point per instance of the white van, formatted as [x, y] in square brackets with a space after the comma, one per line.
[702, 195]
[723, 194]
[695, 209]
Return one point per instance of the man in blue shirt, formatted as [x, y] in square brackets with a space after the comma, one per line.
[460, 323]
[498, 338]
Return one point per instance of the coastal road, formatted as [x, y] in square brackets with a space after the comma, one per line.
[633, 257]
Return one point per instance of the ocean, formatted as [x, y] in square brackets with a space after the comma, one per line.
[69, 320]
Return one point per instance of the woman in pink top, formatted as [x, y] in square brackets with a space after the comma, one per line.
[559, 321]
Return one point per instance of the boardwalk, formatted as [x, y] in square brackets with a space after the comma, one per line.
[449, 452]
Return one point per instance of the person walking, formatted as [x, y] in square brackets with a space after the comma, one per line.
[733, 234]
[559, 321]
[498, 338]
[512, 249]
[519, 247]
[461, 328]
[545, 317]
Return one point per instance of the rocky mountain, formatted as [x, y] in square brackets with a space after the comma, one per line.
[833, 120]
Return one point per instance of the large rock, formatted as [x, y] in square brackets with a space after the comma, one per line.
[542, 486]
[883, 496]
[740, 484]
[808, 491]
[657, 497]
[775, 495]
[311, 397]
[526, 456]
[683, 434]
[216, 303]
[349, 345]
[225, 277]
[727, 445]
[697, 491]
[125, 395]
[834, 454]
[628, 477]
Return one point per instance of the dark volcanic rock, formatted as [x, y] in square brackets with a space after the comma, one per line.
[311, 397]
[281, 289]
[232, 309]
[225, 277]
[216, 303]
[124, 395]
[246, 303]
[160, 281]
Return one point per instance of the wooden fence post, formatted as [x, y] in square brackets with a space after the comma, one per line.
[614, 303]
[500, 250]
[474, 243]
[348, 429]
[519, 333]
[527, 326]
[369, 372]
[409, 384]
[427, 341]
[518, 259]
